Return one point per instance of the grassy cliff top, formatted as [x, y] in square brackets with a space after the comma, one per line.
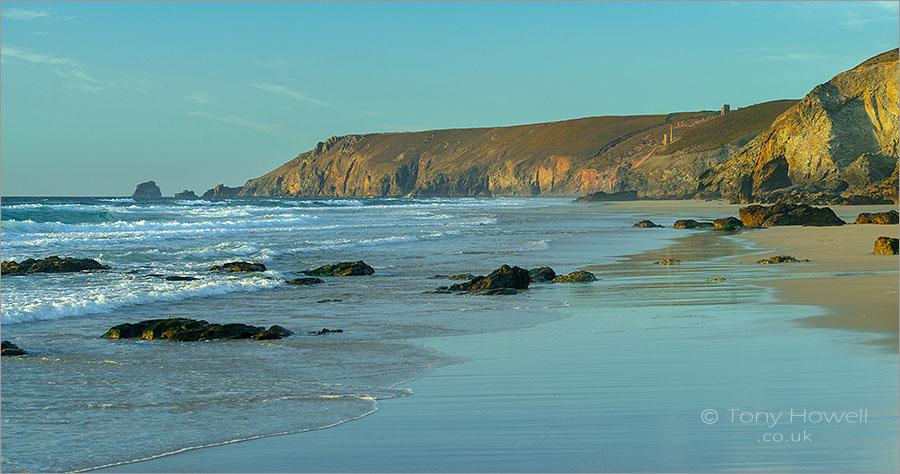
[736, 127]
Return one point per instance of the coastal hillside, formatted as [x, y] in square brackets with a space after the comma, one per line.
[838, 144]
[558, 158]
[673, 171]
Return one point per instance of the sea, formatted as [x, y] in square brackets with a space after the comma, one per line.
[80, 402]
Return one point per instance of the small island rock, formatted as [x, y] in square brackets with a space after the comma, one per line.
[147, 190]
[10, 349]
[186, 194]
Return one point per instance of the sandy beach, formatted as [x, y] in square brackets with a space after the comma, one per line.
[557, 396]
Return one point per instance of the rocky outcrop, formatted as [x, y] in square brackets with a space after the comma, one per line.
[182, 329]
[691, 224]
[342, 269]
[305, 281]
[647, 224]
[781, 259]
[889, 217]
[514, 278]
[52, 264]
[186, 194]
[541, 274]
[840, 141]
[886, 246]
[222, 191]
[10, 349]
[788, 214]
[728, 223]
[147, 190]
[238, 267]
[579, 276]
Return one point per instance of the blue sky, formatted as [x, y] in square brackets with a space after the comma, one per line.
[98, 96]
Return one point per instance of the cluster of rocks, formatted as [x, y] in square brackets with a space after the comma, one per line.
[781, 259]
[149, 191]
[182, 329]
[508, 280]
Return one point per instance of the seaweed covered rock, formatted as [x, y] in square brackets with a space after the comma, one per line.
[647, 224]
[579, 276]
[342, 269]
[541, 274]
[503, 277]
[183, 329]
[885, 246]
[305, 281]
[781, 259]
[238, 267]
[728, 223]
[52, 264]
[691, 224]
[889, 217]
[788, 214]
[10, 349]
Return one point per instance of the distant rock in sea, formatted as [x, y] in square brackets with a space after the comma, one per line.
[186, 194]
[147, 190]
[222, 191]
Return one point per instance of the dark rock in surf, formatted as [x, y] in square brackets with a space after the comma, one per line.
[186, 194]
[342, 269]
[185, 330]
[325, 331]
[180, 278]
[541, 274]
[238, 267]
[52, 264]
[579, 276]
[305, 281]
[503, 277]
[10, 349]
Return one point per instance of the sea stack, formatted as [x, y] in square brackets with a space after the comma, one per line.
[147, 190]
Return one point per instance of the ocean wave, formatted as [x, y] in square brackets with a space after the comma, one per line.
[126, 294]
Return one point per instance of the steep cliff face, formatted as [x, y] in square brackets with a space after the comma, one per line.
[559, 158]
[840, 140]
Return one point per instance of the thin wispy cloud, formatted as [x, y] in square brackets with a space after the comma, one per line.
[274, 64]
[199, 98]
[75, 74]
[286, 92]
[792, 57]
[24, 14]
[244, 122]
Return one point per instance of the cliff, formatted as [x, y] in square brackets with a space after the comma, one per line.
[559, 158]
[838, 144]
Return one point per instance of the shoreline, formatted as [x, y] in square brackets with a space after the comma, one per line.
[371, 435]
